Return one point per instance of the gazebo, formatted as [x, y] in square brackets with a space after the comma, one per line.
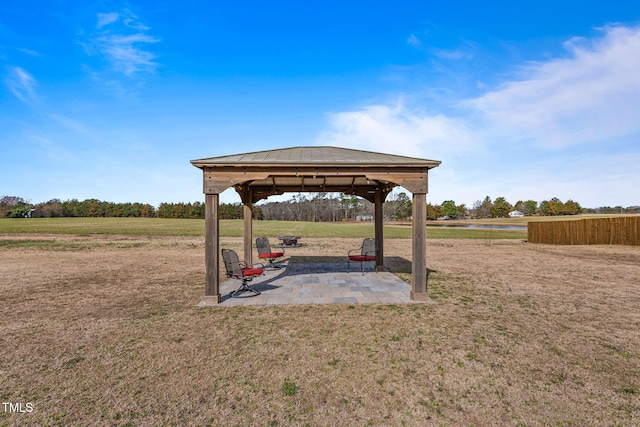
[258, 175]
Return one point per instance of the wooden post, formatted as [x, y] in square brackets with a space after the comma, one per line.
[248, 229]
[419, 248]
[379, 230]
[212, 249]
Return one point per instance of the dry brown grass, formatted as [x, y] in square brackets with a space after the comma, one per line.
[105, 331]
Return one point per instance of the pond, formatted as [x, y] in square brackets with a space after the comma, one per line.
[480, 226]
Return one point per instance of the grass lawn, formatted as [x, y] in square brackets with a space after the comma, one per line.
[99, 326]
[233, 228]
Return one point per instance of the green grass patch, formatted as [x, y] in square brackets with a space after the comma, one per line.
[629, 390]
[289, 388]
[108, 226]
[31, 244]
[232, 228]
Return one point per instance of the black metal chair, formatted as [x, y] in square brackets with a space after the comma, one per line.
[237, 269]
[367, 252]
[265, 252]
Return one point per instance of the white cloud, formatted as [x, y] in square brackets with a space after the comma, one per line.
[120, 39]
[29, 52]
[455, 54]
[591, 96]
[132, 21]
[50, 150]
[397, 130]
[520, 140]
[21, 84]
[107, 18]
[125, 55]
[69, 123]
[412, 40]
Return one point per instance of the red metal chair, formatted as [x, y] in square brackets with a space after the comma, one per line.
[265, 252]
[367, 253]
[237, 269]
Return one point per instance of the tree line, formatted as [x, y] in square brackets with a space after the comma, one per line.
[329, 207]
[500, 208]
[315, 207]
[17, 207]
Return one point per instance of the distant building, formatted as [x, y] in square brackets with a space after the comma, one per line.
[516, 214]
[364, 217]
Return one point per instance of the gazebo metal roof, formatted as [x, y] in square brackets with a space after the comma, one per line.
[314, 156]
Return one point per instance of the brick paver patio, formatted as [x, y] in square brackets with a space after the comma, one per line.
[320, 283]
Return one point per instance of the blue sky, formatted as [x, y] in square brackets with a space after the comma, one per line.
[110, 99]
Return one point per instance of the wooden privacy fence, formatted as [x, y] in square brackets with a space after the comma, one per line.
[592, 231]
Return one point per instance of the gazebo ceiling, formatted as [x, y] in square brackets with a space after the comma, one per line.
[278, 184]
[261, 174]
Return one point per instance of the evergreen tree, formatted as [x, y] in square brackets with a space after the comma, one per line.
[501, 208]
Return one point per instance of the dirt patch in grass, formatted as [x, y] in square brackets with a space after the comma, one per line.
[105, 331]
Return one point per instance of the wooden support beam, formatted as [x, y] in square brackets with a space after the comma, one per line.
[379, 227]
[248, 230]
[416, 182]
[212, 250]
[215, 181]
[246, 195]
[242, 173]
[419, 248]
